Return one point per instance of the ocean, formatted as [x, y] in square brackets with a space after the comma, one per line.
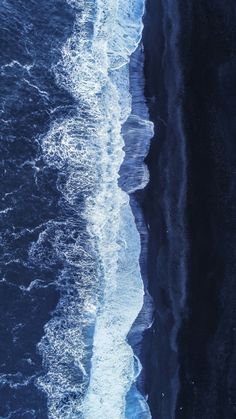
[75, 132]
[117, 217]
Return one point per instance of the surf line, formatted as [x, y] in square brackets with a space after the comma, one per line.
[114, 369]
[101, 284]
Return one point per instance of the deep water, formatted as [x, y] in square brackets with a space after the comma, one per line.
[32, 34]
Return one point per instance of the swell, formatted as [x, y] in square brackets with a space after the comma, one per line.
[89, 364]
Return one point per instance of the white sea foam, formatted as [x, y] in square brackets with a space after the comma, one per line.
[90, 366]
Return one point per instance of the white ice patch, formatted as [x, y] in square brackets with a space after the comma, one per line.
[90, 366]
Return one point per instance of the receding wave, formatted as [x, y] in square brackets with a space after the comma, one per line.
[89, 365]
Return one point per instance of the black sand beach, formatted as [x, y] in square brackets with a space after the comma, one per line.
[189, 206]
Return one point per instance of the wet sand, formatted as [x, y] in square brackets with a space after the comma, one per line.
[189, 206]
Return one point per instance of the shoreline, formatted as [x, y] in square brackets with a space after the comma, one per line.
[137, 132]
[163, 203]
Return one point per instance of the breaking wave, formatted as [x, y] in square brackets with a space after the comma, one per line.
[89, 365]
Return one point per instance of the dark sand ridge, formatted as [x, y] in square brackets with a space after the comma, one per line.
[189, 204]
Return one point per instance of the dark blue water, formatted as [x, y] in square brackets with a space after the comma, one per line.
[68, 234]
[32, 33]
